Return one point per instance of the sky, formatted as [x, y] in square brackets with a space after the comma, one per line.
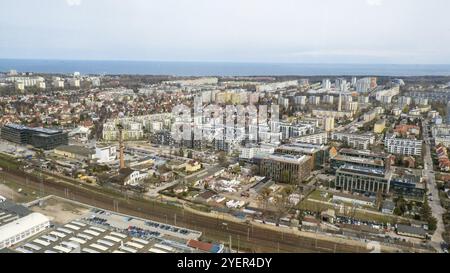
[285, 31]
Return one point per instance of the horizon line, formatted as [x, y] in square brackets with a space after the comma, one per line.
[221, 61]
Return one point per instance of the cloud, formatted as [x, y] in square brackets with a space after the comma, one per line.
[374, 2]
[73, 3]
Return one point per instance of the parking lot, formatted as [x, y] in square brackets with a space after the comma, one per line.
[140, 227]
[102, 231]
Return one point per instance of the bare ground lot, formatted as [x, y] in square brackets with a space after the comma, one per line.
[61, 211]
[11, 191]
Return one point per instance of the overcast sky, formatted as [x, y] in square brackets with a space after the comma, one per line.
[298, 31]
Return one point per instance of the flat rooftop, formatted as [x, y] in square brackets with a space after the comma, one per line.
[360, 160]
[366, 153]
[362, 170]
[288, 158]
[297, 148]
[75, 149]
[102, 231]
[38, 129]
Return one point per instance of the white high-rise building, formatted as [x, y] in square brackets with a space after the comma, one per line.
[363, 85]
[340, 103]
[74, 82]
[58, 82]
[314, 100]
[328, 99]
[341, 84]
[326, 84]
[19, 85]
[300, 100]
[95, 81]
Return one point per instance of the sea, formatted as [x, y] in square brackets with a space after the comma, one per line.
[220, 68]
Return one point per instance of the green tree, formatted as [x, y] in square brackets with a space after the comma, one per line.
[223, 160]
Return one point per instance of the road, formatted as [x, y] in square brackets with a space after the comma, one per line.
[436, 208]
[250, 237]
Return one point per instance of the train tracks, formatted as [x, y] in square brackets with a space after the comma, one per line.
[249, 238]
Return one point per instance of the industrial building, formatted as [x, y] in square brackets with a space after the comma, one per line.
[75, 152]
[43, 138]
[22, 228]
[411, 231]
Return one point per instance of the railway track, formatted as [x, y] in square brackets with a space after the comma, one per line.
[248, 238]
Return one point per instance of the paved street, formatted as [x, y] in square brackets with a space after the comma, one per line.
[435, 205]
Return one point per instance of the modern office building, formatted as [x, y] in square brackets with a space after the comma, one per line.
[286, 168]
[408, 183]
[364, 154]
[341, 160]
[43, 138]
[318, 153]
[352, 178]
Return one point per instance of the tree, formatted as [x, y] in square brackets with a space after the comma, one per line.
[406, 109]
[236, 169]
[400, 206]
[264, 194]
[223, 160]
[282, 204]
[254, 169]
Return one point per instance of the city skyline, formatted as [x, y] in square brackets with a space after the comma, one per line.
[350, 31]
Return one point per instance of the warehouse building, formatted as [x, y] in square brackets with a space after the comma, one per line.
[44, 138]
[411, 231]
[22, 228]
[75, 152]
